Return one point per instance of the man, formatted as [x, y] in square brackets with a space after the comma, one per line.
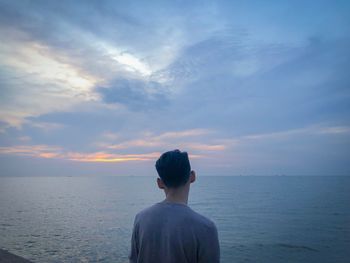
[170, 231]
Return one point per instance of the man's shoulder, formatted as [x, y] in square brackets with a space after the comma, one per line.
[203, 221]
[146, 211]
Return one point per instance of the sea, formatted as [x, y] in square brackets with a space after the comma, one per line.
[259, 218]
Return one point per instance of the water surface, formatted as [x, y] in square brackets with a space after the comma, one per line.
[259, 219]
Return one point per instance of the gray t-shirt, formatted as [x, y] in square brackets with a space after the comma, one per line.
[173, 233]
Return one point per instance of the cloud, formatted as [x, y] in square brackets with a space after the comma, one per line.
[313, 130]
[189, 140]
[61, 62]
[134, 94]
[44, 126]
[148, 145]
[55, 152]
[108, 157]
[285, 135]
[24, 138]
[291, 86]
[185, 133]
[131, 62]
[43, 151]
[235, 84]
[47, 84]
[205, 147]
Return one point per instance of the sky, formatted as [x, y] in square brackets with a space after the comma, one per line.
[104, 87]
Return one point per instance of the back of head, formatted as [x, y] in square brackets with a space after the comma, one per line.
[174, 168]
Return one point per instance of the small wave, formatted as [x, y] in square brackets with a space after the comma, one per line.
[5, 224]
[52, 251]
[291, 246]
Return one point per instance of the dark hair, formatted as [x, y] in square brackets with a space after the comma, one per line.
[174, 168]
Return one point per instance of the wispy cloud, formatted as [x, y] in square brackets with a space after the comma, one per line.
[284, 135]
[111, 158]
[219, 148]
[311, 130]
[55, 152]
[43, 151]
[183, 134]
[44, 126]
[24, 138]
[205, 147]
[186, 139]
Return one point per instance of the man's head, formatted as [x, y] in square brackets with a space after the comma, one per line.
[174, 168]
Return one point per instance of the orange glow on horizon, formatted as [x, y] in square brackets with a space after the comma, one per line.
[54, 152]
[109, 158]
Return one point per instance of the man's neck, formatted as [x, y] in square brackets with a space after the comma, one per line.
[177, 195]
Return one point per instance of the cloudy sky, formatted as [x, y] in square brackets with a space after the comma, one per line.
[104, 87]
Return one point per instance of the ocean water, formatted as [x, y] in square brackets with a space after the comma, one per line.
[259, 219]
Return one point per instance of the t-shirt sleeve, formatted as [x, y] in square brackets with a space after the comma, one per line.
[134, 244]
[209, 248]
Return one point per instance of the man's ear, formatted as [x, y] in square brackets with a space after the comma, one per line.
[160, 183]
[192, 176]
